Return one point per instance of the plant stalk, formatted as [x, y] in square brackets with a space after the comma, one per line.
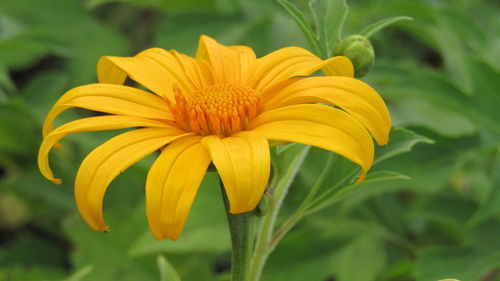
[241, 227]
[264, 245]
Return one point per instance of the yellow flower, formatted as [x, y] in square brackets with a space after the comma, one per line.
[223, 106]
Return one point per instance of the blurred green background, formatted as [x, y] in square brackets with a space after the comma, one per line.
[439, 74]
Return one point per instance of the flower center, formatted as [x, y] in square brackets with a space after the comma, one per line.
[215, 110]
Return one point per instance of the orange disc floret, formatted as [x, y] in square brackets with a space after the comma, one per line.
[215, 110]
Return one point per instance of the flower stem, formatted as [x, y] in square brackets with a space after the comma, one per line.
[242, 241]
[301, 211]
[264, 245]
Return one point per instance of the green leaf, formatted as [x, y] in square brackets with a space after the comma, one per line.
[415, 111]
[381, 24]
[304, 25]
[456, 54]
[35, 37]
[18, 131]
[167, 271]
[41, 92]
[329, 17]
[108, 253]
[366, 251]
[486, 96]
[194, 238]
[462, 263]
[491, 204]
[427, 98]
[57, 197]
[400, 141]
[186, 41]
[80, 274]
[7, 86]
[371, 182]
[342, 171]
[175, 6]
[32, 273]
[21, 252]
[21, 51]
[300, 258]
[313, 251]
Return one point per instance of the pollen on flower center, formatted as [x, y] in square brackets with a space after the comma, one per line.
[216, 110]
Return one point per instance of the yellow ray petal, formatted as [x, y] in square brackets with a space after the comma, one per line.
[243, 163]
[113, 99]
[172, 184]
[90, 124]
[108, 72]
[276, 88]
[246, 58]
[198, 71]
[225, 61]
[107, 161]
[155, 69]
[290, 62]
[261, 166]
[318, 125]
[339, 66]
[354, 96]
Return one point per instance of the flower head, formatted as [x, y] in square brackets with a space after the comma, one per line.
[221, 107]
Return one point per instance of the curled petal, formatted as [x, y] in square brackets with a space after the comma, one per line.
[339, 66]
[90, 124]
[291, 62]
[172, 184]
[107, 161]
[318, 125]
[243, 163]
[113, 99]
[354, 96]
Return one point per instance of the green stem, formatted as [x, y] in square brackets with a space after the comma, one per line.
[242, 239]
[300, 212]
[319, 181]
[285, 228]
[318, 202]
[263, 245]
[303, 24]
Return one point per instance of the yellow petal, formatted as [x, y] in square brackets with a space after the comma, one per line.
[113, 99]
[90, 124]
[339, 66]
[290, 62]
[198, 71]
[243, 163]
[246, 58]
[318, 125]
[108, 72]
[155, 69]
[228, 63]
[354, 96]
[172, 184]
[107, 161]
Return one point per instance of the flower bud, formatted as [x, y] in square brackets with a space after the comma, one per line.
[359, 49]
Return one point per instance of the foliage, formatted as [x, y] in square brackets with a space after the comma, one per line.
[429, 209]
